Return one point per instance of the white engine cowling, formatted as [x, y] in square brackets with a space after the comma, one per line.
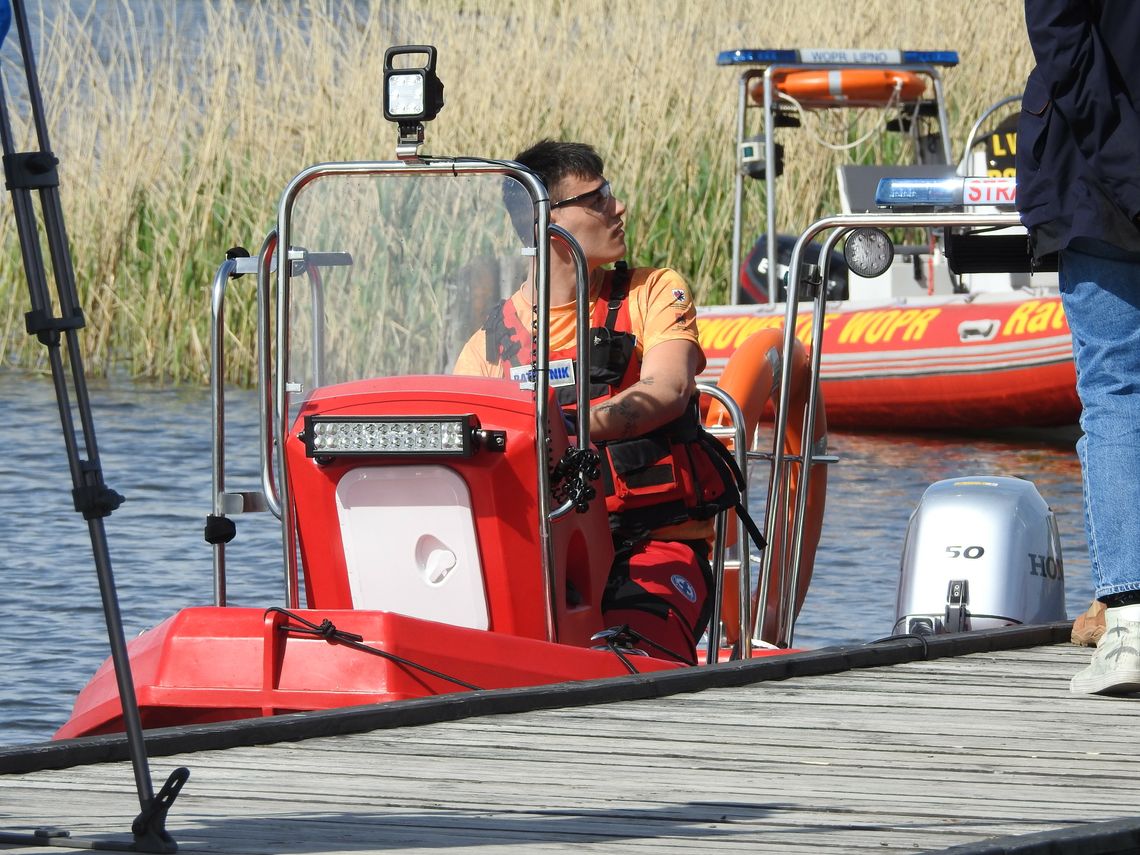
[981, 552]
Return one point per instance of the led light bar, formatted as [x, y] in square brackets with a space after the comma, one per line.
[945, 192]
[832, 56]
[448, 436]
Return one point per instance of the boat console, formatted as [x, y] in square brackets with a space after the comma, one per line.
[390, 518]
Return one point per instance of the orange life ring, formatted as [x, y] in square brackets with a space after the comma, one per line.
[844, 87]
[751, 377]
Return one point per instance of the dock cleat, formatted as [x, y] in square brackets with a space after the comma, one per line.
[618, 638]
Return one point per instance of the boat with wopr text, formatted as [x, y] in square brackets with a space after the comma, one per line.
[957, 309]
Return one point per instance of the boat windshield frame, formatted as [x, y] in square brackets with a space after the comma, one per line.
[278, 395]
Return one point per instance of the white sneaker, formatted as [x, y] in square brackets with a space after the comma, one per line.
[1115, 666]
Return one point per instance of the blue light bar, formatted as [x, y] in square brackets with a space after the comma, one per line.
[835, 56]
[931, 57]
[745, 56]
[918, 192]
[945, 192]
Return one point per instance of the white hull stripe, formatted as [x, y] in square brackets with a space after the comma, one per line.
[948, 360]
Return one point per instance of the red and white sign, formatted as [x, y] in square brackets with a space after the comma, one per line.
[989, 191]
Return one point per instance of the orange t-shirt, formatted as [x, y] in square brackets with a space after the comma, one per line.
[660, 309]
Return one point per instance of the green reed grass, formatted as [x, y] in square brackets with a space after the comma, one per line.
[174, 150]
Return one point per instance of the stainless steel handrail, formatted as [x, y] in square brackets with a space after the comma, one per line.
[542, 413]
[278, 406]
[265, 372]
[778, 484]
[225, 503]
[809, 454]
[963, 164]
[767, 126]
[582, 343]
[217, 414]
[744, 573]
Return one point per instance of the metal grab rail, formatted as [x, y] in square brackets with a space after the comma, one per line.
[226, 271]
[779, 484]
[277, 393]
[744, 571]
[582, 343]
[227, 503]
[963, 164]
[541, 414]
[768, 126]
[265, 372]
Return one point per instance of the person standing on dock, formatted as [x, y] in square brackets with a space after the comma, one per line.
[644, 361]
[1078, 192]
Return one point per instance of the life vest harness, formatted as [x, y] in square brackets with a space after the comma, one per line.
[675, 473]
[613, 357]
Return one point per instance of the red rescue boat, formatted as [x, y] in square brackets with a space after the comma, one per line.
[975, 362]
[441, 533]
[955, 333]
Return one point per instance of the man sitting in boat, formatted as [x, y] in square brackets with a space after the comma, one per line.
[645, 358]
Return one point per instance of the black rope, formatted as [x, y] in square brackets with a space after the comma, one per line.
[570, 479]
[326, 630]
[627, 633]
[613, 648]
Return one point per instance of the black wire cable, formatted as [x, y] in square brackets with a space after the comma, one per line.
[328, 631]
[902, 635]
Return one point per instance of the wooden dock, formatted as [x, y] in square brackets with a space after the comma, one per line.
[851, 756]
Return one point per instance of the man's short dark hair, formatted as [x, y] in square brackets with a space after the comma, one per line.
[552, 161]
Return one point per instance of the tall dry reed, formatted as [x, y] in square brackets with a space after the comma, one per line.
[178, 124]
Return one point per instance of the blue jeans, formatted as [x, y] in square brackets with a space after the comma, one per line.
[1101, 297]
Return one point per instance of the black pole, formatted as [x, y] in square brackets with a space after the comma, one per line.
[29, 175]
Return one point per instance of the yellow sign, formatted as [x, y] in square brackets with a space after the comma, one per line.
[729, 333]
[872, 327]
[1034, 316]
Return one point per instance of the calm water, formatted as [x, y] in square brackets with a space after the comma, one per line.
[155, 448]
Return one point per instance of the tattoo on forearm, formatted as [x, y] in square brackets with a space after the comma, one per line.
[627, 413]
[624, 414]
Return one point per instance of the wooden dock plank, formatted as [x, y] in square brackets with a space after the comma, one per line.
[911, 757]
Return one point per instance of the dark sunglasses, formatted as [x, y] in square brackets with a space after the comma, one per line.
[597, 198]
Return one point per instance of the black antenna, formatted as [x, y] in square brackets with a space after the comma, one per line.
[32, 174]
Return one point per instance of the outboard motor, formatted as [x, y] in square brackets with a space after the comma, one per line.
[754, 270]
[981, 552]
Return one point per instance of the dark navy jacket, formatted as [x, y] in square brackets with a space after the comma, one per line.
[1078, 146]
